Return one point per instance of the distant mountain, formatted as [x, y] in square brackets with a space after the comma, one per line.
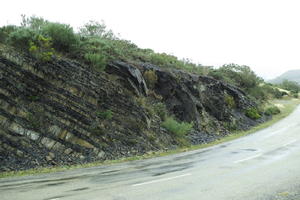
[291, 75]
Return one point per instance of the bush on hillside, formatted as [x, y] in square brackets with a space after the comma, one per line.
[41, 48]
[240, 75]
[273, 110]
[150, 78]
[243, 77]
[98, 61]
[21, 38]
[252, 113]
[161, 110]
[272, 91]
[178, 128]
[229, 100]
[62, 35]
[5, 32]
[108, 114]
[94, 28]
[258, 93]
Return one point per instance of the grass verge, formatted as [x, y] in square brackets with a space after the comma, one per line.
[287, 106]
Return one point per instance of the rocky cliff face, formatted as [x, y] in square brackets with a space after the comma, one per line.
[63, 112]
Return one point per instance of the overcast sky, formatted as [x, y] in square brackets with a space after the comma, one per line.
[263, 34]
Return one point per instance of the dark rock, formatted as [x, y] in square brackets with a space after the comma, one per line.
[130, 75]
[55, 113]
[48, 158]
[192, 97]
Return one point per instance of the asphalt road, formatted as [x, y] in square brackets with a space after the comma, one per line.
[261, 166]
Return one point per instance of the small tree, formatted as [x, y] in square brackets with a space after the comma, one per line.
[21, 38]
[241, 75]
[33, 22]
[62, 35]
[93, 28]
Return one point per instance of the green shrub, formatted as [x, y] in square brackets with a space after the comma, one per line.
[240, 75]
[231, 126]
[272, 91]
[141, 101]
[96, 60]
[277, 94]
[161, 110]
[252, 113]
[5, 32]
[125, 50]
[163, 59]
[296, 95]
[220, 75]
[274, 110]
[151, 78]
[148, 106]
[101, 47]
[178, 128]
[229, 101]
[94, 28]
[108, 114]
[62, 35]
[258, 93]
[41, 48]
[21, 38]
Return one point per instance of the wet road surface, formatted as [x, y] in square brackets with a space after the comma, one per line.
[261, 166]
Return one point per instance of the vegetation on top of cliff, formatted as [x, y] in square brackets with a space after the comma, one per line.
[244, 78]
[93, 43]
[96, 45]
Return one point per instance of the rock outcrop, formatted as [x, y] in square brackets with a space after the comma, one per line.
[63, 112]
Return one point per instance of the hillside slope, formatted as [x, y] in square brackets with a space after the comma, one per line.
[291, 75]
[63, 112]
